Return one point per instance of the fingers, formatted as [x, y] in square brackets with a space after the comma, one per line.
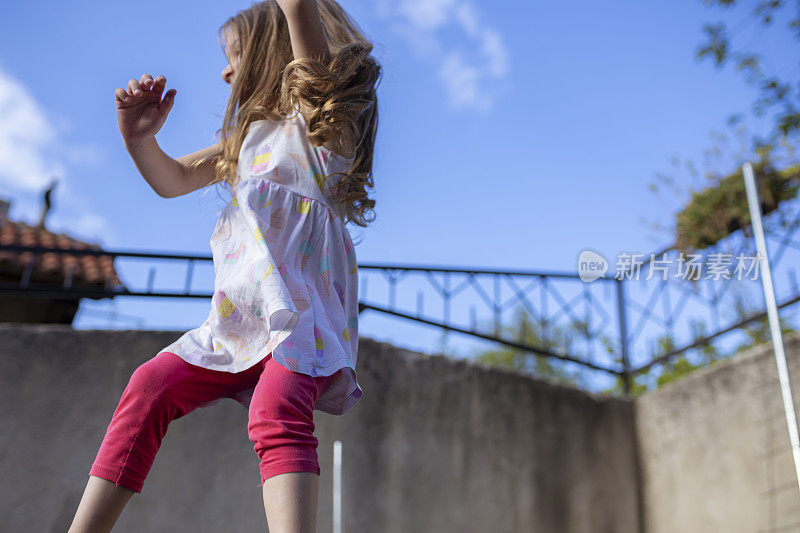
[137, 88]
[121, 94]
[148, 83]
[166, 104]
[159, 84]
[134, 88]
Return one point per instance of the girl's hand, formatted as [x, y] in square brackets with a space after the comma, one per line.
[140, 110]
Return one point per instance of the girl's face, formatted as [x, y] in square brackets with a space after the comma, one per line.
[233, 52]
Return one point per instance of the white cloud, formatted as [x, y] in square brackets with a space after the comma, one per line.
[90, 226]
[496, 53]
[34, 151]
[468, 18]
[26, 139]
[462, 81]
[472, 64]
[426, 14]
[83, 155]
[424, 44]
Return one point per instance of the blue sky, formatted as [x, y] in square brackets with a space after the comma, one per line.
[512, 134]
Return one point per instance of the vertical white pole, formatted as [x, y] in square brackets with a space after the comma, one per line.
[337, 486]
[772, 313]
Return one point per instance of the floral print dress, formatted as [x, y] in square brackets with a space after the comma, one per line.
[286, 278]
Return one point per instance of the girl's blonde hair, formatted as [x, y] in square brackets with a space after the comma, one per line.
[270, 84]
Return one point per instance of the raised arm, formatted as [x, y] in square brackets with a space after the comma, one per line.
[305, 29]
[308, 40]
[172, 177]
[141, 112]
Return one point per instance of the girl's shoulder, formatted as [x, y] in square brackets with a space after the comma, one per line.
[342, 147]
[279, 151]
[289, 134]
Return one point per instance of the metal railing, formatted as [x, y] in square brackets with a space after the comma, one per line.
[612, 323]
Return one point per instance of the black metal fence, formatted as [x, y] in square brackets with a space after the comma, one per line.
[618, 324]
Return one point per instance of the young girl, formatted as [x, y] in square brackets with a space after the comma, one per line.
[281, 338]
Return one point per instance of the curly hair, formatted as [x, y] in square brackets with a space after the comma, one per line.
[269, 84]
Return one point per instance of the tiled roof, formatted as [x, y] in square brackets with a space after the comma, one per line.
[88, 269]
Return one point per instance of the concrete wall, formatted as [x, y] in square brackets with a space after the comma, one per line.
[715, 448]
[434, 445]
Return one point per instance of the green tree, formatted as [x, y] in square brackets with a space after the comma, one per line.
[702, 355]
[443, 347]
[673, 368]
[759, 332]
[778, 93]
[717, 202]
[551, 337]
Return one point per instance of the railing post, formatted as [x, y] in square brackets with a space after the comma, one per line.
[623, 337]
[188, 286]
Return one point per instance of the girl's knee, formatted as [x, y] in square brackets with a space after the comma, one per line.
[281, 451]
[281, 417]
[153, 385]
[278, 427]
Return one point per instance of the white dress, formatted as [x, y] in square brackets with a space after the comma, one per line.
[286, 277]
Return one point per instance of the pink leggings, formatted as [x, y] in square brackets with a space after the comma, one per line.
[166, 387]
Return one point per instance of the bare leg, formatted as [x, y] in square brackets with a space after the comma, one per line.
[290, 501]
[100, 506]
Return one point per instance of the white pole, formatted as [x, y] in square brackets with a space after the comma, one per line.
[772, 313]
[337, 486]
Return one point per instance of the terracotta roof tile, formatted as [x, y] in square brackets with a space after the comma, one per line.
[50, 267]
